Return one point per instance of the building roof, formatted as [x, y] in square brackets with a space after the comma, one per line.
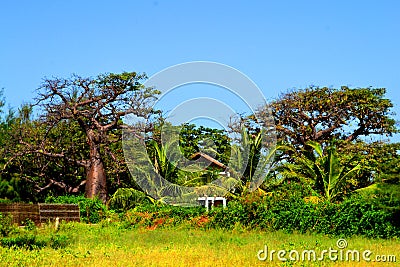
[208, 158]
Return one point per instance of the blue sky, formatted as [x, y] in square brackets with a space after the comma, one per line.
[278, 44]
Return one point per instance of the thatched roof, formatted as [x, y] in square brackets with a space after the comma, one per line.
[208, 158]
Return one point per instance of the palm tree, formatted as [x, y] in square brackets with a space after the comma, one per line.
[324, 169]
[251, 160]
[166, 169]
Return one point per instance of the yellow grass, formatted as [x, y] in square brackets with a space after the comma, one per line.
[96, 245]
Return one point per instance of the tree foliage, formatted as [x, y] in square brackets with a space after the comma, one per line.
[91, 110]
[28, 162]
[329, 174]
[76, 141]
[320, 114]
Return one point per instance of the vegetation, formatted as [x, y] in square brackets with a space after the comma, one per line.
[91, 210]
[92, 109]
[120, 243]
[331, 175]
[320, 114]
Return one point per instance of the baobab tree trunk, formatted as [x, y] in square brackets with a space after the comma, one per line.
[96, 181]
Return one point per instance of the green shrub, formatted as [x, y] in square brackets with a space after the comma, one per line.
[29, 225]
[127, 198]
[28, 241]
[59, 241]
[6, 225]
[357, 216]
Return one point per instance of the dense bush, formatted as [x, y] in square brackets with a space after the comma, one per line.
[354, 216]
[91, 210]
[360, 216]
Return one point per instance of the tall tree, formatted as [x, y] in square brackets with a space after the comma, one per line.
[96, 106]
[214, 142]
[321, 114]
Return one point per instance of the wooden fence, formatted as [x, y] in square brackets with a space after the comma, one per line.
[41, 213]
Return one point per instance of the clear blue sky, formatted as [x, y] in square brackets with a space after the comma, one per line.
[278, 44]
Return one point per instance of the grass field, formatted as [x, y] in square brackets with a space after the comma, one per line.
[112, 245]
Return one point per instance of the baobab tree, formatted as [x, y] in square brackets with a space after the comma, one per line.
[97, 106]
